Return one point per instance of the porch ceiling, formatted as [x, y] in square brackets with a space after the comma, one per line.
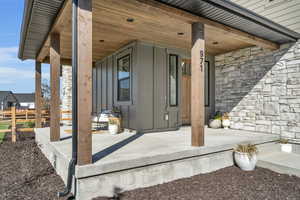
[111, 30]
[154, 22]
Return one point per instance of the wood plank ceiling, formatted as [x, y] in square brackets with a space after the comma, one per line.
[117, 23]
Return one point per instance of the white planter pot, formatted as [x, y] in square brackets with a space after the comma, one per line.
[113, 129]
[287, 148]
[244, 161]
[215, 123]
[226, 123]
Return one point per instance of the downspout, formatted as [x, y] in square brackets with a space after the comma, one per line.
[73, 162]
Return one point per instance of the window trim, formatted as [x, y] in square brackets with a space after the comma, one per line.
[177, 80]
[117, 77]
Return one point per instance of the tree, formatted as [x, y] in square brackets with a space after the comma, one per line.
[46, 94]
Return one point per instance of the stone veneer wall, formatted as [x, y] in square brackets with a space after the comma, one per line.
[261, 89]
[66, 92]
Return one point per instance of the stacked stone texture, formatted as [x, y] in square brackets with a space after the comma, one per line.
[66, 93]
[261, 89]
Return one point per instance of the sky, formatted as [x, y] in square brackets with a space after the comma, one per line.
[15, 75]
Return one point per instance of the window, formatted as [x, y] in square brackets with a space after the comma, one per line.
[123, 77]
[206, 83]
[173, 80]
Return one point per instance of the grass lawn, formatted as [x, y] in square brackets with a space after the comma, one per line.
[5, 125]
[2, 127]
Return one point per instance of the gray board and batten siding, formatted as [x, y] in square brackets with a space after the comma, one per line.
[148, 109]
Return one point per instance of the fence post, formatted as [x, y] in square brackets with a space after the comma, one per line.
[26, 114]
[13, 124]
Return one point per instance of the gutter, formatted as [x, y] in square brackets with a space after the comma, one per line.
[28, 5]
[73, 162]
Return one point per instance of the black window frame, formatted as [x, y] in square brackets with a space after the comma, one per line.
[118, 88]
[177, 79]
[207, 104]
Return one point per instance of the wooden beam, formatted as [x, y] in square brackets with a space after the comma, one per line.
[38, 95]
[84, 80]
[54, 85]
[191, 18]
[197, 84]
[63, 61]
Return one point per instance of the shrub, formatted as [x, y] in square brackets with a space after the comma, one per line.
[283, 141]
[250, 149]
[218, 115]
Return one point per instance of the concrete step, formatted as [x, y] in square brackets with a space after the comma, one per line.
[286, 163]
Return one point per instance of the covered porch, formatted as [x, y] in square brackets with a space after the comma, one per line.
[96, 29]
[129, 160]
[82, 33]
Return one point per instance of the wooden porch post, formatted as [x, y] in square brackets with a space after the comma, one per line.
[197, 84]
[55, 89]
[38, 95]
[84, 81]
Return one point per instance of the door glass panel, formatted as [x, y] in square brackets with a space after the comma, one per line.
[173, 80]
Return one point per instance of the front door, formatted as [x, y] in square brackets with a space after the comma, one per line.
[186, 92]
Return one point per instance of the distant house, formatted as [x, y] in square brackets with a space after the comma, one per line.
[7, 99]
[21, 100]
[25, 100]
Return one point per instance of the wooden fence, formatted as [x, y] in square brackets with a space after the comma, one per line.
[13, 117]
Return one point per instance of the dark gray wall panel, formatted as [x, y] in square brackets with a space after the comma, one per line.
[94, 101]
[160, 88]
[125, 116]
[99, 87]
[104, 85]
[145, 87]
[110, 82]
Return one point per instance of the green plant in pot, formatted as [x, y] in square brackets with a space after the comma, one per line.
[245, 156]
[216, 121]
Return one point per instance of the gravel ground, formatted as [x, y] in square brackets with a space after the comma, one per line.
[26, 174]
[227, 184]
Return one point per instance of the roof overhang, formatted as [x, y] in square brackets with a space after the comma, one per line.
[38, 18]
[40, 15]
[235, 16]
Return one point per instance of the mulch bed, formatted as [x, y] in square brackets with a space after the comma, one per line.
[25, 173]
[227, 184]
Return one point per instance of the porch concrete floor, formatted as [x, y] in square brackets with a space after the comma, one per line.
[274, 159]
[129, 150]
